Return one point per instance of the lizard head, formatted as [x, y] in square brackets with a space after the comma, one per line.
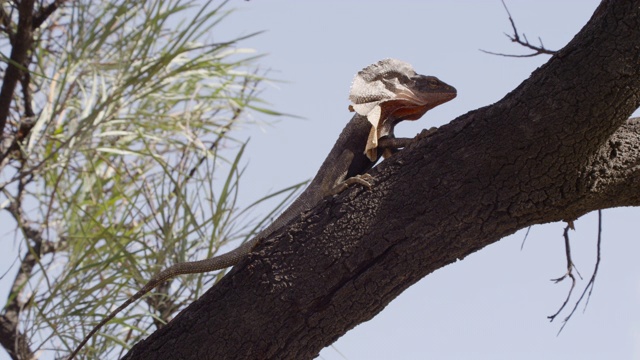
[420, 94]
[390, 91]
[427, 92]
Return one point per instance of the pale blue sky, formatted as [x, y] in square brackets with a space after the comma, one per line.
[493, 304]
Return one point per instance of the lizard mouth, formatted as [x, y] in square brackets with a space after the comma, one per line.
[399, 110]
[408, 106]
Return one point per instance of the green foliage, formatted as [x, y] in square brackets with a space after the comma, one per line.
[131, 164]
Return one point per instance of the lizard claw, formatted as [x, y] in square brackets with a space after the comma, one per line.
[361, 179]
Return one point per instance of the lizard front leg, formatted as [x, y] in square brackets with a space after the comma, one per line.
[391, 145]
[349, 169]
[388, 144]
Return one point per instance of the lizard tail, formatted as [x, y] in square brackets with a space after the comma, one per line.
[202, 266]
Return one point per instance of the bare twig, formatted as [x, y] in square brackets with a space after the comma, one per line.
[525, 238]
[569, 272]
[538, 50]
[592, 281]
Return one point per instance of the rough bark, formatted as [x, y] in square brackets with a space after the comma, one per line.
[556, 147]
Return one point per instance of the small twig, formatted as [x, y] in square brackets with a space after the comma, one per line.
[592, 281]
[569, 272]
[525, 238]
[538, 50]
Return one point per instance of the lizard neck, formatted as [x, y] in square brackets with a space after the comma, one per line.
[345, 160]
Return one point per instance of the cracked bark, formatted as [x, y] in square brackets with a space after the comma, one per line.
[555, 148]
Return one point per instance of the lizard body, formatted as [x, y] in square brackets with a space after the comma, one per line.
[383, 94]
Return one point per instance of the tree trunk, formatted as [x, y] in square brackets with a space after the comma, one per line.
[555, 148]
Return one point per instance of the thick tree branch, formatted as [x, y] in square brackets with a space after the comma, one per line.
[555, 148]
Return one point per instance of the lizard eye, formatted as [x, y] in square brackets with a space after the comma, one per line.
[433, 83]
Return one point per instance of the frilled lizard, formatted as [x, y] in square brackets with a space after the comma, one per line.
[382, 95]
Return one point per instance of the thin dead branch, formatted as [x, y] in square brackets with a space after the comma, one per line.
[569, 273]
[523, 41]
[525, 238]
[592, 281]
